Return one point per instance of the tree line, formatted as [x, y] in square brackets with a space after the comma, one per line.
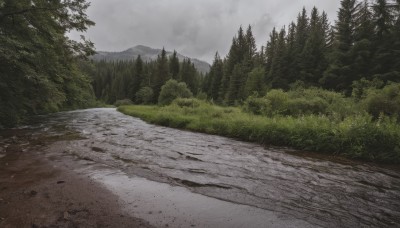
[141, 81]
[362, 47]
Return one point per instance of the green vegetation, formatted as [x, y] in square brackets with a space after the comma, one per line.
[139, 81]
[41, 69]
[172, 90]
[357, 135]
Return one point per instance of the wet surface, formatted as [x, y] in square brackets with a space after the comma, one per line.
[212, 174]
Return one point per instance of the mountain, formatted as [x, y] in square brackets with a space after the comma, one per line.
[147, 54]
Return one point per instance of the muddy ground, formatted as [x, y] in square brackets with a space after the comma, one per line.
[33, 193]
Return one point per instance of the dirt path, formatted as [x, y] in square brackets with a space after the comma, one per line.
[35, 194]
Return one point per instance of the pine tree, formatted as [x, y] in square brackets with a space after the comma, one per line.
[270, 50]
[229, 63]
[188, 75]
[277, 77]
[363, 39]
[339, 74]
[312, 59]
[174, 66]
[384, 57]
[255, 82]
[215, 78]
[137, 78]
[161, 74]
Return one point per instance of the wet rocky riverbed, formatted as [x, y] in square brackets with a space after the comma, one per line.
[181, 178]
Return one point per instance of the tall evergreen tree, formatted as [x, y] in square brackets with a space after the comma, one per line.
[312, 61]
[161, 74]
[277, 76]
[339, 74]
[215, 78]
[174, 66]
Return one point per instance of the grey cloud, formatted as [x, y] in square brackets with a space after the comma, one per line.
[196, 28]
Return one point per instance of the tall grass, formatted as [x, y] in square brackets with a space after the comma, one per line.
[356, 136]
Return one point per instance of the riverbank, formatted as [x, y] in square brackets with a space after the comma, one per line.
[357, 137]
[34, 193]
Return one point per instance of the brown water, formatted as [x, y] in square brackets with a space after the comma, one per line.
[206, 181]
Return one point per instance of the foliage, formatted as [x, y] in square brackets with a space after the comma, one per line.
[39, 65]
[123, 102]
[357, 136]
[172, 90]
[384, 101]
[144, 95]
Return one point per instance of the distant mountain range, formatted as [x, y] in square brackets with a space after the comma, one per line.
[147, 54]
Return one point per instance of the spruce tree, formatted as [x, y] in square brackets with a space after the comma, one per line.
[160, 74]
[174, 66]
[339, 74]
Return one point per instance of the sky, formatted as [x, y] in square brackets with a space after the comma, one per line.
[195, 28]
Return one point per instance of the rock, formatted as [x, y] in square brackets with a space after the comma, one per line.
[60, 182]
[66, 215]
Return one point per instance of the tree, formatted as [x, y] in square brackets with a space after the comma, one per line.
[172, 90]
[174, 66]
[255, 82]
[339, 74]
[384, 57]
[277, 76]
[137, 78]
[39, 64]
[312, 62]
[161, 73]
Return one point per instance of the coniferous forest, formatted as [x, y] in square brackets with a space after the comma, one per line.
[360, 49]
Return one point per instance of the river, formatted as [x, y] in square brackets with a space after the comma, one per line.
[186, 179]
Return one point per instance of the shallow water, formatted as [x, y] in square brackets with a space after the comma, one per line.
[253, 184]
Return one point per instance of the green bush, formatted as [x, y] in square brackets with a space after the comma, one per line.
[303, 106]
[278, 100]
[172, 90]
[384, 101]
[144, 95]
[123, 102]
[256, 105]
[187, 102]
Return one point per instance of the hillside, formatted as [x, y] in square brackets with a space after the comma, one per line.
[147, 54]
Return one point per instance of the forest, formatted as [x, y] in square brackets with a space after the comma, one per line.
[358, 52]
[342, 76]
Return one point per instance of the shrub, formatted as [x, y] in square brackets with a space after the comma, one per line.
[123, 102]
[187, 102]
[278, 101]
[303, 106]
[385, 101]
[172, 90]
[256, 105]
[144, 95]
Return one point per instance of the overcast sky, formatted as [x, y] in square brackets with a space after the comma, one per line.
[195, 28]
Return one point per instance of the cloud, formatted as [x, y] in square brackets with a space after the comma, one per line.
[196, 28]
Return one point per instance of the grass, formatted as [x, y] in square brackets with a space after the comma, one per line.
[358, 137]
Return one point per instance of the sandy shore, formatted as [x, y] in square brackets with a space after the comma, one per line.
[35, 194]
